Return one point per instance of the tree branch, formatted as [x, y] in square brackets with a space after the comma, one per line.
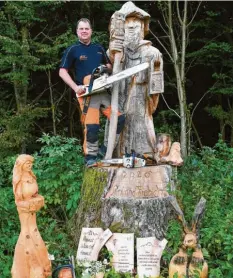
[170, 107]
[164, 47]
[178, 12]
[199, 4]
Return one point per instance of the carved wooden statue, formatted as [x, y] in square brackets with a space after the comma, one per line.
[163, 145]
[138, 95]
[167, 152]
[31, 256]
[183, 265]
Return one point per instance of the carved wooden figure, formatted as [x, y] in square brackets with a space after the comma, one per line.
[31, 256]
[163, 144]
[174, 157]
[138, 97]
[168, 153]
[181, 264]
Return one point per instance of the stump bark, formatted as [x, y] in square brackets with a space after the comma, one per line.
[126, 200]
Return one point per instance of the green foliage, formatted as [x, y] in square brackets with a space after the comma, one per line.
[168, 122]
[29, 42]
[59, 167]
[9, 229]
[16, 128]
[214, 50]
[113, 274]
[9, 226]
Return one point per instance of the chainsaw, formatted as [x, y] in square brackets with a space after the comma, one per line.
[133, 160]
[100, 80]
[126, 161]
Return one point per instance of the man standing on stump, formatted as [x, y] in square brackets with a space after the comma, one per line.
[84, 57]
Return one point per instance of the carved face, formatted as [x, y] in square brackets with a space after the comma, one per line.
[190, 240]
[27, 166]
[133, 30]
[84, 32]
[176, 146]
[163, 145]
[65, 273]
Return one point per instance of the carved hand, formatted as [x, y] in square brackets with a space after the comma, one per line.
[115, 46]
[36, 203]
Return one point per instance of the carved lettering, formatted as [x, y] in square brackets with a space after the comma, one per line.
[143, 183]
[87, 241]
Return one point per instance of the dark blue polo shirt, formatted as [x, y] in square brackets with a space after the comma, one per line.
[84, 58]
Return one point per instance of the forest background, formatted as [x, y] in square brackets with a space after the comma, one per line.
[39, 115]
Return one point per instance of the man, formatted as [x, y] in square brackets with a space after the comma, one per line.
[85, 56]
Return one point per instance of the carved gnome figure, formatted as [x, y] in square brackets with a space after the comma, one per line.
[168, 153]
[31, 256]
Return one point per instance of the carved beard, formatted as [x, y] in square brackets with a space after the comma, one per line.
[132, 41]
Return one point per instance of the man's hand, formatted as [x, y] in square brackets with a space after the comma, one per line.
[80, 90]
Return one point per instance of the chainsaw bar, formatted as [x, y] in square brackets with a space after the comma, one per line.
[105, 81]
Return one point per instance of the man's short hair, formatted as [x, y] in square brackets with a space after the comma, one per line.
[84, 20]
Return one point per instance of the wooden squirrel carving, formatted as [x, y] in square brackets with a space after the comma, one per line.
[184, 265]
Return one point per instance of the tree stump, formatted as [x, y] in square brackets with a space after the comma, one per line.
[133, 200]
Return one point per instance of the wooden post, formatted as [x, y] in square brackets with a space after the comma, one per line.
[116, 39]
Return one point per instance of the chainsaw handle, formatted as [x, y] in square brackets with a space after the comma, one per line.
[84, 92]
[89, 79]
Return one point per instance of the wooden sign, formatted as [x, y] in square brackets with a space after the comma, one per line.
[99, 243]
[87, 241]
[157, 82]
[122, 247]
[149, 252]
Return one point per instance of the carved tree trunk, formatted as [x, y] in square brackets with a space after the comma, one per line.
[126, 200]
[137, 104]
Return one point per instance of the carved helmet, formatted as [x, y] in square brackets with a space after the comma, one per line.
[129, 9]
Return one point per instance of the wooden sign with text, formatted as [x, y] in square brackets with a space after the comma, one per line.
[87, 241]
[122, 247]
[149, 252]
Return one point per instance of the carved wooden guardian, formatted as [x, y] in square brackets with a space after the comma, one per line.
[138, 95]
[31, 256]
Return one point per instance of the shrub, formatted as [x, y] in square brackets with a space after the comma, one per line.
[59, 171]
